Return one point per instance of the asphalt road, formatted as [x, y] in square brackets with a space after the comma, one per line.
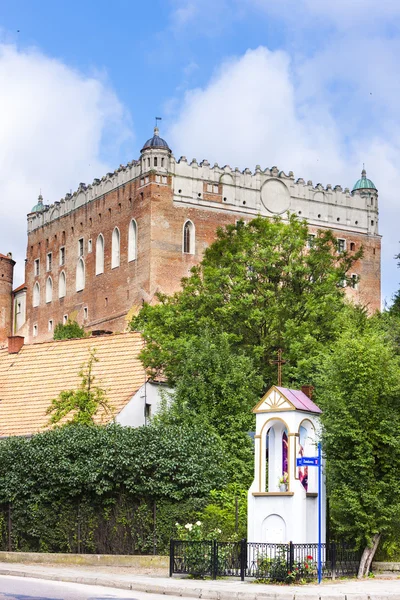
[24, 588]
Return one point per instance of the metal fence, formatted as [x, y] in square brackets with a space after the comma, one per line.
[274, 562]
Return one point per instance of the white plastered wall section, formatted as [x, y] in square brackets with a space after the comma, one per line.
[134, 412]
[272, 192]
[280, 517]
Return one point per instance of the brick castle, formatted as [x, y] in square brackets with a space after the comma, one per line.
[99, 253]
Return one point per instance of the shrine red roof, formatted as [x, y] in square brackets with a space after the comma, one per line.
[299, 400]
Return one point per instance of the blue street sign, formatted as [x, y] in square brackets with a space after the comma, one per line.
[307, 461]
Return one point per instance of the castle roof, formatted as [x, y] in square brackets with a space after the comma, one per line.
[156, 142]
[364, 183]
[30, 379]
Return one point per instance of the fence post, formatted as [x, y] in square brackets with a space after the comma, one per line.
[171, 557]
[9, 528]
[333, 559]
[214, 559]
[243, 558]
[291, 556]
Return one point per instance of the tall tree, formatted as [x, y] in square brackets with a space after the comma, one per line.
[218, 386]
[266, 284]
[359, 392]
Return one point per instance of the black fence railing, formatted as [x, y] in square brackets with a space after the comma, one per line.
[274, 562]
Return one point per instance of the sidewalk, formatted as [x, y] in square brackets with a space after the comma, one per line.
[223, 589]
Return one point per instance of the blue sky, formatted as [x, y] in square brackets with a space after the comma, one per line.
[307, 85]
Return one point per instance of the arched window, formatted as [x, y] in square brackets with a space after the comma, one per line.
[115, 249]
[188, 238]
[80, 275]
[132, 240]
[36, 294]
[49, 289]
[100, 255]
[62, 285]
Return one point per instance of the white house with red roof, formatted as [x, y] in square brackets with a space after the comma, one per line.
[283, 498]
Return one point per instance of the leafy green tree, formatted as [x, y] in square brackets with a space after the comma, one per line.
[84, 403]
[359, 392]
[262, 285]
[68, 331]
[227, 510]
[217, 386]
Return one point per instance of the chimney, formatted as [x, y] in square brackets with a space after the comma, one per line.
[15, 343]
[307, 390]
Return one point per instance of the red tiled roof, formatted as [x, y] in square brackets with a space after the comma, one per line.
[30, 379]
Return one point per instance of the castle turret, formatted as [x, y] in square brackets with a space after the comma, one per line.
[6, 285]
[365, 188]
[155, 154]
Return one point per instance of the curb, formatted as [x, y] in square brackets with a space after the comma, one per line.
[204, 593]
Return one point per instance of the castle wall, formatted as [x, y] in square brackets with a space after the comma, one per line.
[161, 194]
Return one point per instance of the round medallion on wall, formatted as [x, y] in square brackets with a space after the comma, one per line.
[275, 196]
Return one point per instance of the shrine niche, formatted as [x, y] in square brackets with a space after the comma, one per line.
[282, 500]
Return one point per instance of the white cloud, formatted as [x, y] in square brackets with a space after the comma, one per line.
[308, 116]
[54, 127]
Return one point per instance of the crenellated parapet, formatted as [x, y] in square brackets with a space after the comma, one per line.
[273, 192]
[268, 191]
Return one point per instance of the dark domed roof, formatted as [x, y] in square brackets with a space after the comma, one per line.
[156, 142]
[363, 183]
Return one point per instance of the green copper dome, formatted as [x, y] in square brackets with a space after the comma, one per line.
[364, 183]
[39, 206]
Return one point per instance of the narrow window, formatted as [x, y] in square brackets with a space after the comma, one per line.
[62, 285]
[352, 246]
[49, 261]
[65, 319]
[155, 161]
[311, 240]
[62, 256]
[36, 294]
[132, 239]
[100, 255]
[115, 249]
[147, 411]
[80, 275]
[341, 245]
[162, 162]
[49, 289]
[35, 330]
[50, 325]
[37, 267]
[188, 238]
[80, 247]
[89, 246]
[85, 312]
